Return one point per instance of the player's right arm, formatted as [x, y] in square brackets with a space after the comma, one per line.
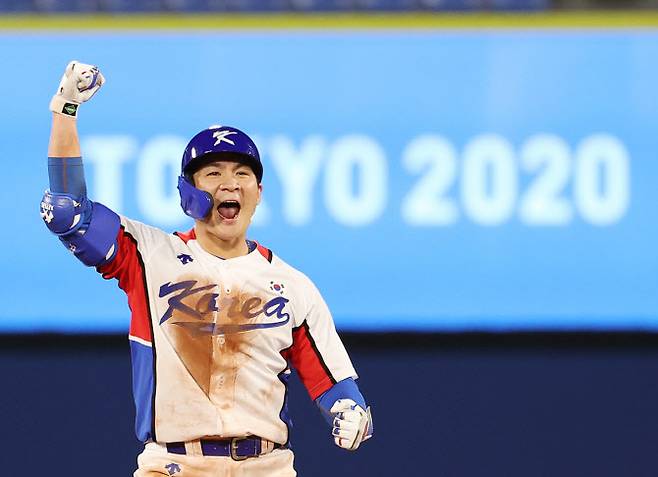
[87, 228]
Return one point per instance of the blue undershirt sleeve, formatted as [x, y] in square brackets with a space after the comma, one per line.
[345, 389]
[67, 176]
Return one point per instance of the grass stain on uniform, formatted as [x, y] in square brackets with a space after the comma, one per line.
[214, 360]
[195, 350]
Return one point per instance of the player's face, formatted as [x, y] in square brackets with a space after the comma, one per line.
[236, 193]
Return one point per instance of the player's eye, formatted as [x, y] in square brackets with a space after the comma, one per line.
[213, 173]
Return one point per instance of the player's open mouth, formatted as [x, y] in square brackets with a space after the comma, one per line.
[229, 209]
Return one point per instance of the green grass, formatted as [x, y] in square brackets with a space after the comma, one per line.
[238, 21]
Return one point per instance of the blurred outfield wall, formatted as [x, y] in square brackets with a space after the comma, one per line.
[428, 172]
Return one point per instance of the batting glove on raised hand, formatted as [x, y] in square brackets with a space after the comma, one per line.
[352, 424]
[79, 83]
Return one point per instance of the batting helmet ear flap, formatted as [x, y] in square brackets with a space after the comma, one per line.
[195, 202]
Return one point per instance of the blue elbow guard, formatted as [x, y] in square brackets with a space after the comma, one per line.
[95, 244]
[88, 229]
[64, 213]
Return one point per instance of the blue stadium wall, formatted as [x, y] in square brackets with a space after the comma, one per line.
[467, 407]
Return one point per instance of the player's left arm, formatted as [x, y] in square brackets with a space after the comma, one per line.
[325, 368]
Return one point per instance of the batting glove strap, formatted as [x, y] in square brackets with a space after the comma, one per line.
[61, 106]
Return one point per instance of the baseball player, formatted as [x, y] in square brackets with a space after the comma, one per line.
[217, 319]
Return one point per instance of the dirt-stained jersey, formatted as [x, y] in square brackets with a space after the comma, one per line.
[212, 340]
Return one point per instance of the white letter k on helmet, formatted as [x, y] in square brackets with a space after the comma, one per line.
[221, 136]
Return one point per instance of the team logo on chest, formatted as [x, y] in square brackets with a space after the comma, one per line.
[214, 310]
[185, 258]
[214, 328]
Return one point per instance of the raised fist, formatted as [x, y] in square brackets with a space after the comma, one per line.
[352, 424]
[79, 83]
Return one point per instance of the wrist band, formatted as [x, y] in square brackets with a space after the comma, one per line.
[66, 108]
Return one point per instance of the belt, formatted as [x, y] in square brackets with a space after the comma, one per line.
[237, 448]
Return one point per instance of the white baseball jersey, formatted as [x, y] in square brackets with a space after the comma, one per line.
[212, 339]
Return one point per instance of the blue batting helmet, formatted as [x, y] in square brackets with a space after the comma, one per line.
[209, 145]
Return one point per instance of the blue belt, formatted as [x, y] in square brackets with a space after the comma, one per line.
[236, 448]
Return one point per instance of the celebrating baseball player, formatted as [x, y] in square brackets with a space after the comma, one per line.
[217, 319]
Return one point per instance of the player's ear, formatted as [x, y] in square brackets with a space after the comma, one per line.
[260, 192]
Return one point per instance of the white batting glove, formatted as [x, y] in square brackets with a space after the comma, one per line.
[79, 83]
[352, 424]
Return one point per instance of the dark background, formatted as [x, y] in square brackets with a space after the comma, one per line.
[443, 405]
